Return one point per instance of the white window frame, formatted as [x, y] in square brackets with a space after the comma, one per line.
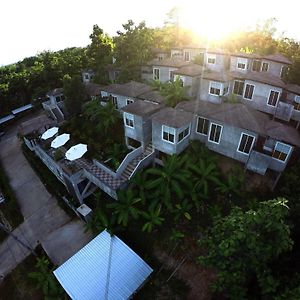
[288, 154]
[242, 61]
[198, 118]
[186, 136]
[221, 88]
[262, 63]
[189, 55]
[210, 127]
[276, 100]
[224, 87]
[240, 81]
[114, 100]
[128, 117]
[129, 101]
[155, 77]
[248, 135]
[245, 91]
[169, 130]
[211, 57]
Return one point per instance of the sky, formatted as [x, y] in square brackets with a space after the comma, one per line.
[32, 26]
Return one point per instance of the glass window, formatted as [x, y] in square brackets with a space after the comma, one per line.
[238, 87]
[129, 120]
[297, 102]
[265, 67]
[215, 133]
[184, 133]
[171, 75]
[246, 143]
[156, 74]
[248, 94]
[202, 126]
[256, 65]
[242, 63]
[281, 151]
[273, 97]
[168, 134]
[211, 59]
[114, 101]
[187, 56]
[215, 88]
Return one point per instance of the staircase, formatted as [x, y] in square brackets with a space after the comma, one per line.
[132, 165]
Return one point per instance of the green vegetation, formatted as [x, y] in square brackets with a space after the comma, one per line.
[10, 208]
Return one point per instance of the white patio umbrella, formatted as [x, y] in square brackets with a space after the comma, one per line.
[49, 133]
[76, 152]
[60, 140]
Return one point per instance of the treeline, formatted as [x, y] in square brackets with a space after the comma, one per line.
[132, 47]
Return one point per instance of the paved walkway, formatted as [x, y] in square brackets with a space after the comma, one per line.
[44, 221]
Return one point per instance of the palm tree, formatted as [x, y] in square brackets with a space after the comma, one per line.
[205, 174]
[139, 183]
[172, 178]
[153, 217]
[109, 117]
[126, 207]
[182, 209]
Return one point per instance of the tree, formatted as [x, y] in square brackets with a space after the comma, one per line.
[99, 53]
[75, 94]
[241, 246]
[126, 207]
[169, 180]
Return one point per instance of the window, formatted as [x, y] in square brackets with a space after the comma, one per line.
[129, 120]
[129, 101]
[86, 76]
[202, 126]
[297, 102]
[171, 75]
[215, 88]
[248, 94]
[168, 134]
[187, 56]
[284, 71]
[242, 63]
[238, 87]
[211, 59]
[246, 143]
[281, 151]
[184, 133]
[265, 67]
[273, 97]
[215, 133]
[114, 101]
[225, 90]
[156, 74]
[256, 65]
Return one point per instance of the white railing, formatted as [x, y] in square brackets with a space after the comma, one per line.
[143, 163]
[128, 159]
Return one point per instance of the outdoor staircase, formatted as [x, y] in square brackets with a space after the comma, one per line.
[132, 165]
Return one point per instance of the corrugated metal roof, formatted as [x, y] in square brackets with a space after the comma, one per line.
[106, 268]
[6, 118]
[22, 108]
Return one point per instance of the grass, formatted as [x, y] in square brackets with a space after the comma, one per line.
[10, 208]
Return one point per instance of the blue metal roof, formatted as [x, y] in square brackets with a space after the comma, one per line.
[6, 118]
[106, 268]
[21, 109]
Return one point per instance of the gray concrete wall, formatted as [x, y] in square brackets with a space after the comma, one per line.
[203, 93]
[221, 62]
[193, 52]
[229, 141]
[135, 133]
[233, 65]
[164, 146]
[274, 68]
[164, 73]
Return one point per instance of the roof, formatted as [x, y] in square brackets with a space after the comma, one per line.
[190, 70]
[141, 108]
[168, 62]
[243, 116]
[106, 268]
[21, 109]
[6, 118]
[234, 114]
[153, 96]
[93, 89]
[130, 89]
[259, 77]
[216, 51]
[246, 55]
[217, 76]
[35, 124]
[294, 88]
[172, 117]
[55, 92]
[283, 132]
[278, 58]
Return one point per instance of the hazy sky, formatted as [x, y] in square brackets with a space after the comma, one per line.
[31, 26]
